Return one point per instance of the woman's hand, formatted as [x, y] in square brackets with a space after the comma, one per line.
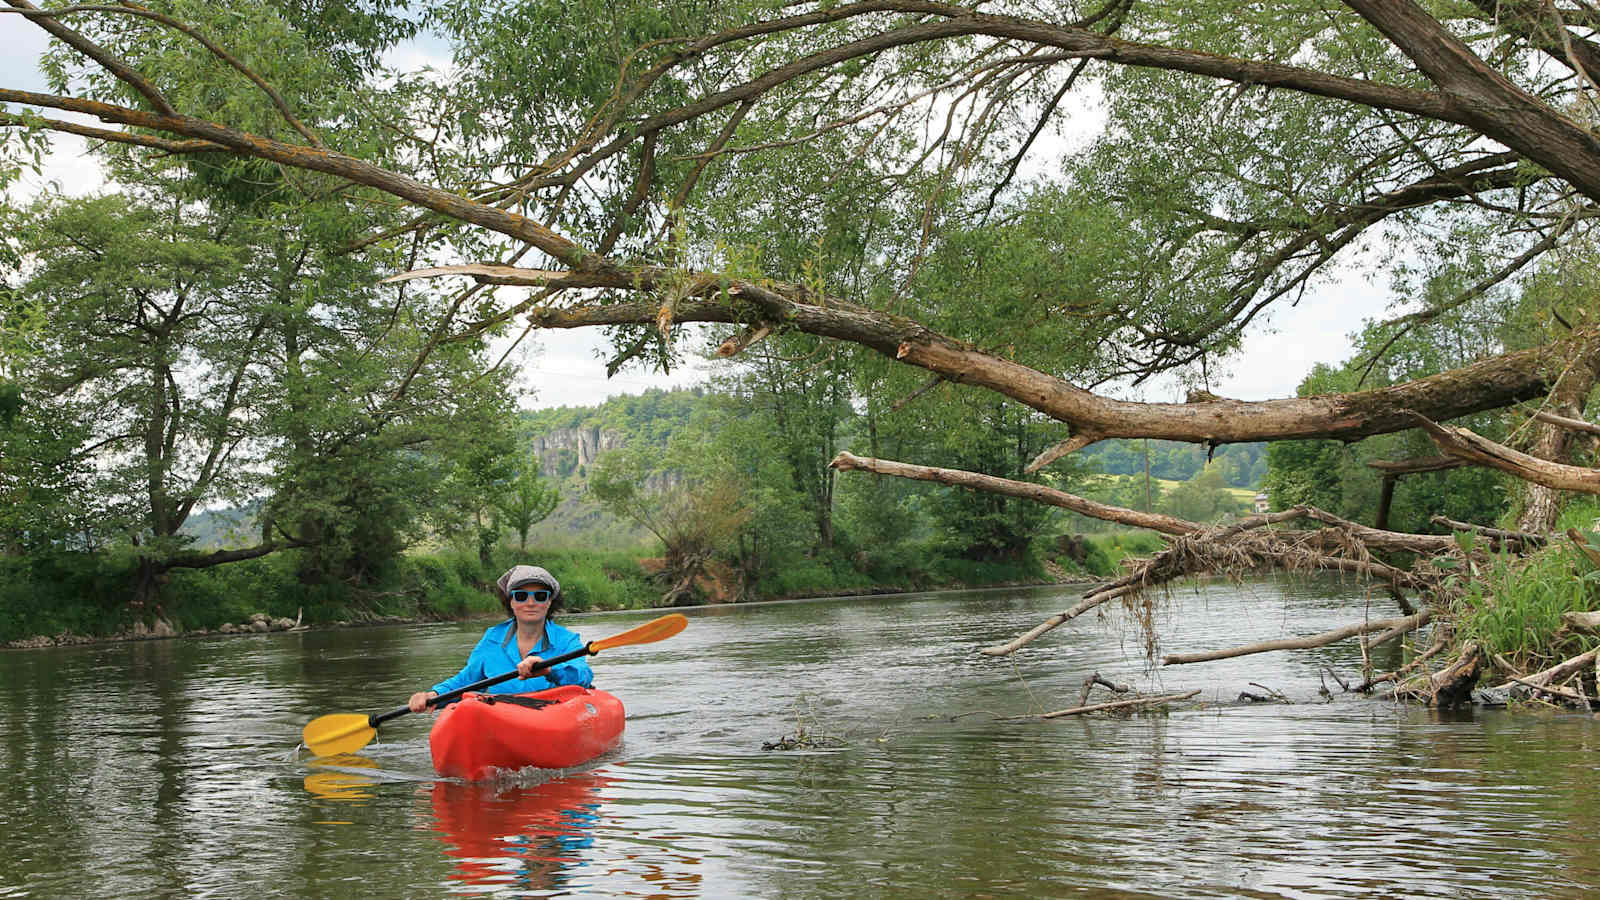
[419, 700]
[527, 665]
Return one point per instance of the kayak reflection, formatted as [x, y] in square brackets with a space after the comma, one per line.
[341, 777]
[527, 836]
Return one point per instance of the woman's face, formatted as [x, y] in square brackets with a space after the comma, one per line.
[530, 604]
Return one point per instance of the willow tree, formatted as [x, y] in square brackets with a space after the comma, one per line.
[630, 162]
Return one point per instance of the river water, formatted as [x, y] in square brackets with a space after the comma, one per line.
[166, 768]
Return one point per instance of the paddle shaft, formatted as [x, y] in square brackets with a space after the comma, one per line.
[376, 720]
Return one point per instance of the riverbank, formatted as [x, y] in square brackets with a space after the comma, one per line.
[261, 623]
[71, 599]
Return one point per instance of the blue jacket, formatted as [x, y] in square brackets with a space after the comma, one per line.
[496, 654]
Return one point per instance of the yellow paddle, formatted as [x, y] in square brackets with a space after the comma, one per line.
[349, 732]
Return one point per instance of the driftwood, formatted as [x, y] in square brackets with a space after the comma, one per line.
[1563, 693]
[1271, 693]
[1559, 672]
[1451, 685]
[1434, 650]
[1137, 702]
[1254, 545]
[1245, 546]
[1399, 625]
[1581, 621]
[1092, 680]
[1507, 666]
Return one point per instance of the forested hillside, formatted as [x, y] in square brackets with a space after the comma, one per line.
[567, 440]
[1242, 465]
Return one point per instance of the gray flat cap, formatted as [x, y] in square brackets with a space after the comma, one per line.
[517, 576]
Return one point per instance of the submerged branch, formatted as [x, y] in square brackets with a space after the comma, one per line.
[1097, 707]
[1434, 649]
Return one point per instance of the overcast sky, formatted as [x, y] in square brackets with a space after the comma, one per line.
[566, 368]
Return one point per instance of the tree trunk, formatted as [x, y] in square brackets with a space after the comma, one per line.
[147, 580]
[1554, 442]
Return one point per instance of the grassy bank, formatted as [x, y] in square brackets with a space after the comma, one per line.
[87, 596]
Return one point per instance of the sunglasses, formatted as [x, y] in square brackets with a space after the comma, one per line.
[525, 596]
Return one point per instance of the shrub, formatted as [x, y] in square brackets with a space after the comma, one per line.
[61, 592]
[1514, 606]
[1119, 545]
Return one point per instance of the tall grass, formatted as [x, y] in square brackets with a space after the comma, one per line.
[1513, 606]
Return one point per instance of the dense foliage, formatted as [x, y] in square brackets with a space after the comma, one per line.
[887, 211]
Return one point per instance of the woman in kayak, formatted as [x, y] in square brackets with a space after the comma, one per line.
[531, 596]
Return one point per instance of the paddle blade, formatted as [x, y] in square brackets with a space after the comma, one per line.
[338, 733]
[648, 633]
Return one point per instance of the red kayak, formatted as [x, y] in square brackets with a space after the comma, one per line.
[554, 729]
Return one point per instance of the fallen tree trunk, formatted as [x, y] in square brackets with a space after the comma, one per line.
[1489, 384]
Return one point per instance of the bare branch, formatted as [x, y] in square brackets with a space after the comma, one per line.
[1135, 703]
[1567, 422]
[1407, 623]
[1479, 450]
[165, 145]
[111, 63]
[1026, 490]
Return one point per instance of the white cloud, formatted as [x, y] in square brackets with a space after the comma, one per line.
[1278, 354]
[568, 369]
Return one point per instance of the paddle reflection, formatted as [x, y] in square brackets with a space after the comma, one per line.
[340, 777]
[528, 836]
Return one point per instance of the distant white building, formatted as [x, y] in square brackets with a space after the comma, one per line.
[1262, 504]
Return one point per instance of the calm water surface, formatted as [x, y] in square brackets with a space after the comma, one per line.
[166, 769]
